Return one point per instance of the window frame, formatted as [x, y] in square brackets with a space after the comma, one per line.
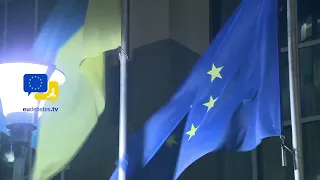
[286, 123]
[214, 27]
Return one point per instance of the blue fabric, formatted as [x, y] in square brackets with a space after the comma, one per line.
[3, 127]
[245, 91]
[65, 20]
[164, 161]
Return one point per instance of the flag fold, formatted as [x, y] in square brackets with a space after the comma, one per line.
[232, 94]
[74, 38]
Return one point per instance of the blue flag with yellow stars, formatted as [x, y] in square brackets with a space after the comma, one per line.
[164, 161]
[232, 94]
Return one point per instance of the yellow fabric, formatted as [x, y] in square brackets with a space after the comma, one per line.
[81, 98]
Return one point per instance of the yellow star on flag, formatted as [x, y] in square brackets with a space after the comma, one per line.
[171, 141]
[215, 72]
[210, 104]
[192, 131]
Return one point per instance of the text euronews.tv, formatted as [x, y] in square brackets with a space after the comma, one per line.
[32, 109]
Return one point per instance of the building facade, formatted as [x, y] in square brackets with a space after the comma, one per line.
[309, 56]
[166, 39]
[263, 163]
[266, 159]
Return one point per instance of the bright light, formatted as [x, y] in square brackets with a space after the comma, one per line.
[13, 97]
[9, 156]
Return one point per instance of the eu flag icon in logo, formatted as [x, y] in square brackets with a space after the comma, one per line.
[35, 83]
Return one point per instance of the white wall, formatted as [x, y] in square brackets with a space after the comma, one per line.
[185, 21]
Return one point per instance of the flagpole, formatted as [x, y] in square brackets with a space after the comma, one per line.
[123, 88]
[294, 89]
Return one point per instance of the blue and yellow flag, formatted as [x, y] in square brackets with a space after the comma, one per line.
[232, 94]
[162, 165]
[164, 161]
[74, 38]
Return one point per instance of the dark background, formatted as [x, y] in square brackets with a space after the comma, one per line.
[169, 62]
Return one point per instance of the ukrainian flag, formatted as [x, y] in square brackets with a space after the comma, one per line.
[74, 38]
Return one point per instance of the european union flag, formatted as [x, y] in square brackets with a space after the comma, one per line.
[232, 94]
[164, 161]
[35, 83]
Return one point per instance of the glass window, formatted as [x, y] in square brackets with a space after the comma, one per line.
[284, 86]
[239, 162]
[270, 155]
[269, 159]
[318, 25]
[309, 82]
[306, 29]
[220, 165]
[316, 66]
[308, 21]
[197, 170]
[283, 39]
[311, 150]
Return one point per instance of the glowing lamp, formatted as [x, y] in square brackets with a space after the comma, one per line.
[13, 97]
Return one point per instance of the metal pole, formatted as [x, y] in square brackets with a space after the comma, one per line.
[62, 174]
[4, 48]
[20, 136]
[294, 89]
[19, 164]
[123, 88]
[35, 29]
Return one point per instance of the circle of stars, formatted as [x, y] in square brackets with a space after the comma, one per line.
[35, 80]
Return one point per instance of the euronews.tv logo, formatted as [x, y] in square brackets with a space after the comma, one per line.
[41, 87]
